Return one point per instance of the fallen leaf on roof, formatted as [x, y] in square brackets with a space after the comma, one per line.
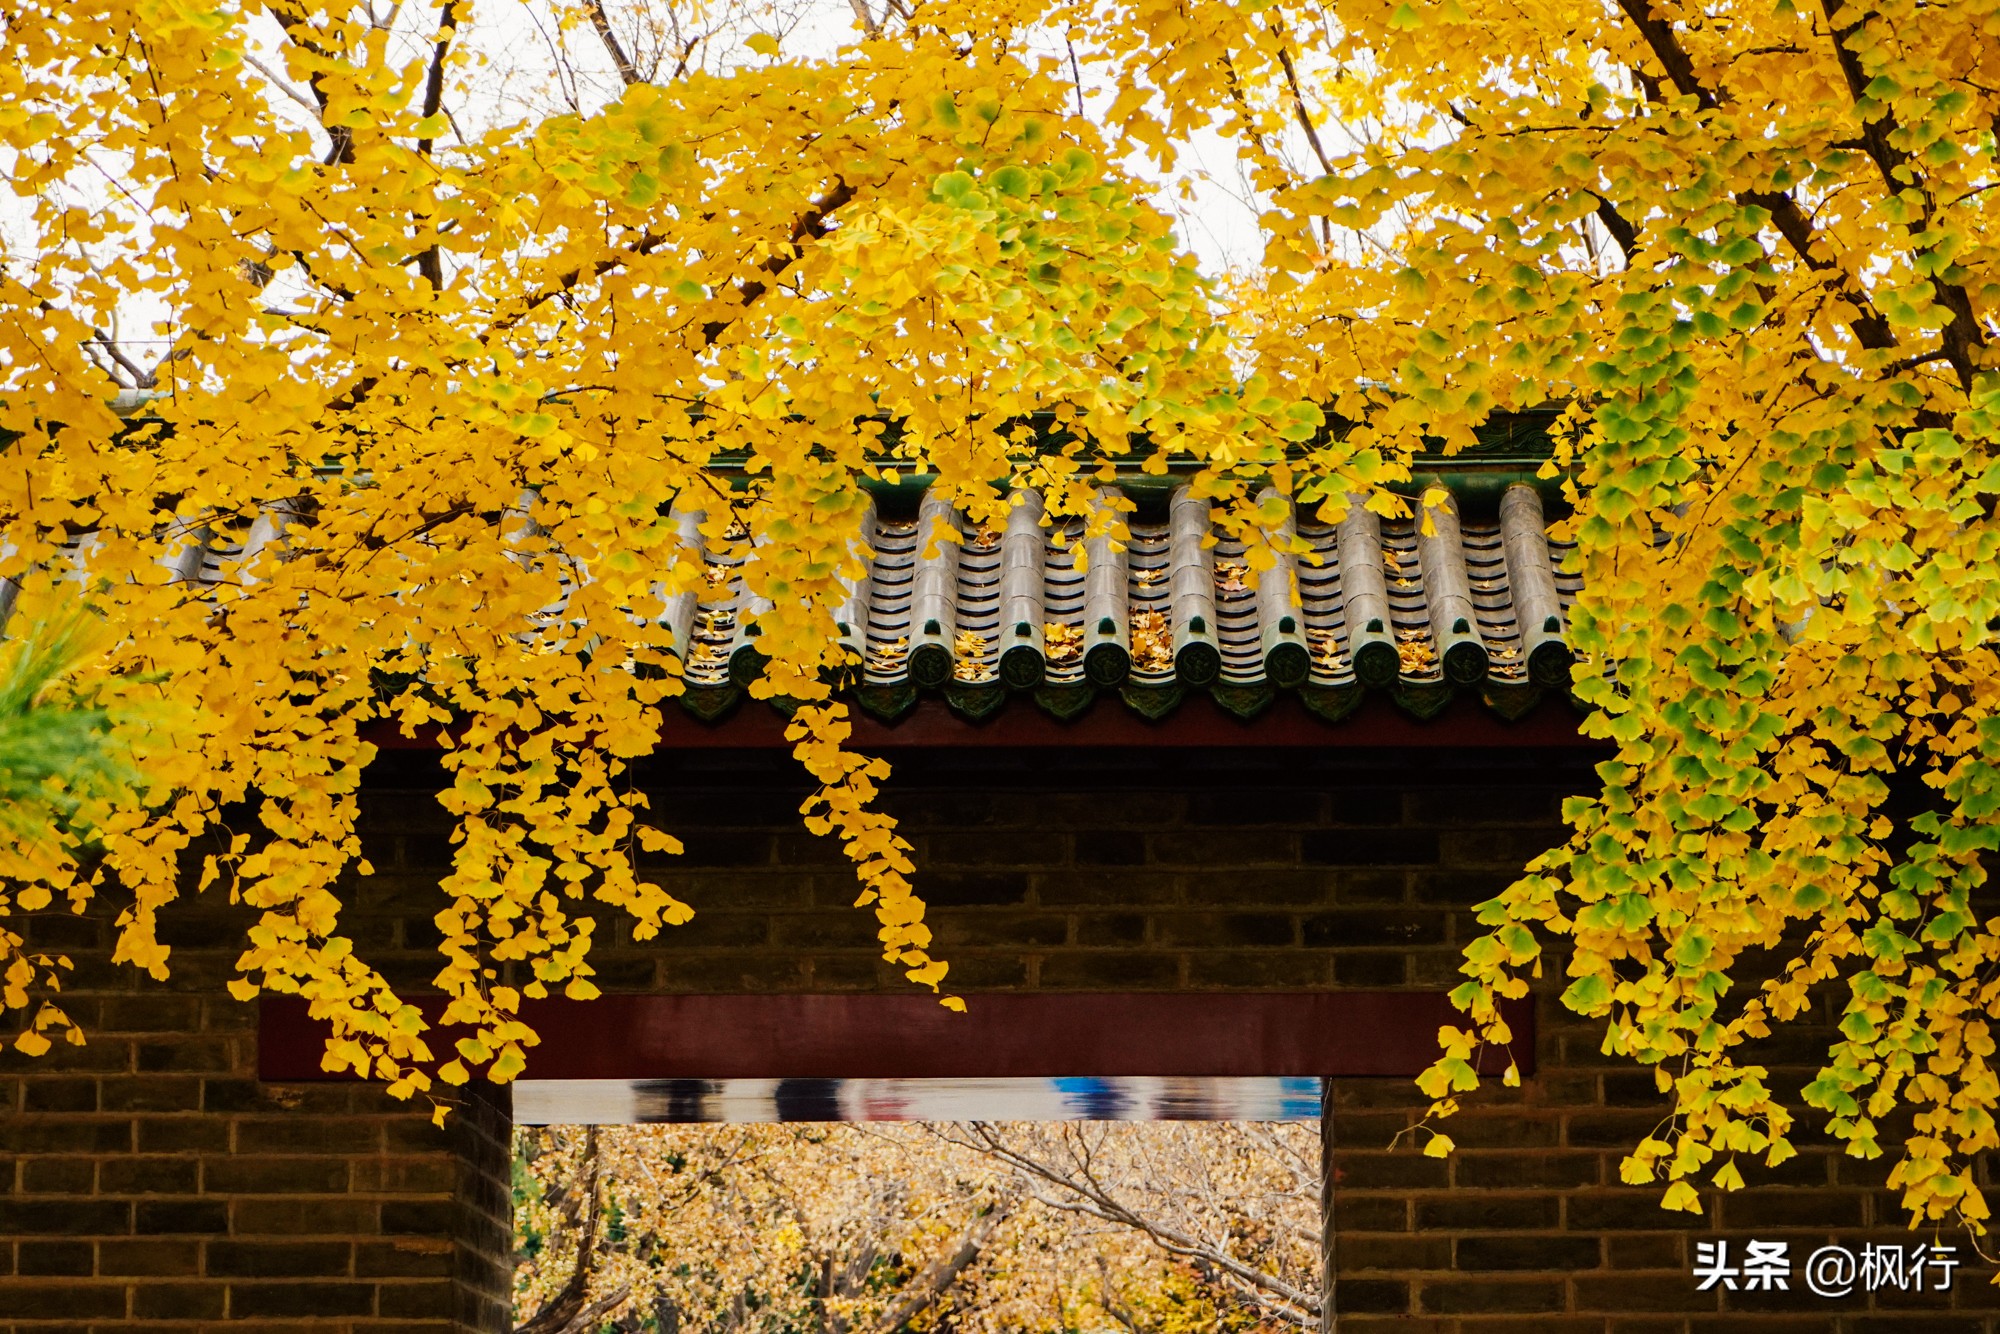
[1152, 641]
[1061, 643]
[1326, 652]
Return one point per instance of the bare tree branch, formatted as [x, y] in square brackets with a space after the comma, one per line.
[1621, 229]
[431, 262]
[1870, 329]
[1963, 338]
[811, 226]
[140, 377]
[1083, 1193]
[561, 1312]
[1299, 99]
[924, 1290]
[627, 73]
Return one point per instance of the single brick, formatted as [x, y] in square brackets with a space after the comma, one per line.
[183, 1134]
[314, 1300]
[65, 1134]
[65, 1218]
[1365, 806]
[148, 1176]
[231, 1095]
[184, 1055]
[1527, 1252]
[1023, 848]
[1390, 1171]
[274, 1176]
[1396, 1251]
[1458, 889]
[303, 1216]
[279, 1259]
[1225, 930]
[1527, 804]
[1109, 848]
[710, 930]
[803, 849]
[1637, 1251]
[48, 1259]
[1369, 888]
[716, 850]
[1494, 1171]
[1266, 847]
[1383, 926]
[418, 1217]
[1113, 928]
[61, 1300]
[1618, 1130]
[416, 1301]
[1370, 1296]
[152, 1095]
[1095, 970]
[1278, 887]
[826, 931]
[405, 1257]
[1235, 808]
[1375, 968]
[1508, 848]
[1091, 888]
[58, 1176]
[1264, 969]
[1635, 1292]
[59, 1095]
[1628, 1209]
[972, 889]
[1370, 847]
[1483, 1213]
[980, 929]
[179, 1301]
[1769, 1207]
[149, 1256]
[987, 972]
[1488, 1296]
[192, 1217]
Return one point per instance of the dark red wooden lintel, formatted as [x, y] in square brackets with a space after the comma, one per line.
[1012, 1035]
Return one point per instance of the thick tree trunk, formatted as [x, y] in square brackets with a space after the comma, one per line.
[567, 1305]
[1326, 1318]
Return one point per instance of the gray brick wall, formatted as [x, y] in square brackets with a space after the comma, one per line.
[152, 1182]
[149, 1181]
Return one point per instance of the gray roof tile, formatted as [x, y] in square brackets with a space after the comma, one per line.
[1477, 604]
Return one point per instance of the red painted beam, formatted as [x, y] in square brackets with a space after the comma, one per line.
[1199, 723]
[1019, 1034]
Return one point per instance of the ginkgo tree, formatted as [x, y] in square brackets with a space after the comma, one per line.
[466, 359]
